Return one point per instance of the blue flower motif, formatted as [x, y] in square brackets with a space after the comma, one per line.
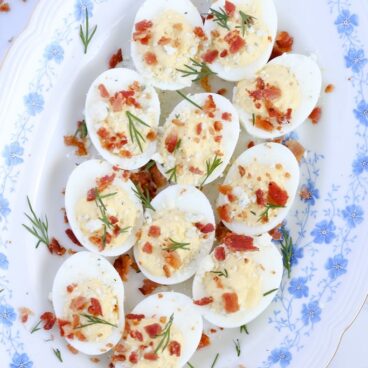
[360, 164]
[311, 312]
[355, 60]
[281, 356]
[4, 206]
[4, 263]
[298, 287]
[324, 232]
[361, 112]
[296, 254]
[80, 9]
[310, 193]
[12, 154]
[21, 361]
[336, 266]
[34, 103]
[292, 136]
[346, 22]
[54, 52]
[7, 315]
[353, 214]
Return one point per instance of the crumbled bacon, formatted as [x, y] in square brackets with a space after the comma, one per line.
[48, 319]
[136, 317]
[224, 53]
[205, 228]
[195, 170]
[62, 324]
[199, 128]
[171, 141]
[224, 213]
[198, 31]
[143, 25]
[95, 307]
[150, 58]
[91, 194]
[142, 32]
[230, 8]
[205, 83]
[217, 126]
[296, 148]
[104, 182]
[78, 303]
[221, 232]
[164, 41]
[329, 88]
[116, 59]
[263, 124]
[150, 356]
[276, 195]
[72, 237]
[154, 231]
[147, 248]
[210, 56]
[148, 287]
[153, 330]
[231, 304]
[227, 116]
[264, 91]
[241, 170]
[219, 253]
[225, 189]
[235, 41]
[104, 93]
[122, 265]
[136, 335]
[4, 7]
[24, 314]
[133, 357]
[250, 144]
[239, 243]
[72, 349]
[205, 341]
[174, 348]
[55, 248]
[315, 115]
[276, 233]
[284, 43]
[209, 105]
[222, 92]
[79, 144]
[204, 301]
[261, 200]
[173, 259]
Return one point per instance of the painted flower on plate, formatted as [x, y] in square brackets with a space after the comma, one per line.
[355, 60]
[311, 312]
[34, 103]
[296, 254]
[4, 263]
[324, 232]
[21, 361]
[4, 206]
[80, 9]
[298, 287]
[7, 315]
[281, 356]
[346, 22]
[309, 193]
[360, 164]
[54, 52]
[361, 112]
[13, 153]
[336, 266]
[353, 215]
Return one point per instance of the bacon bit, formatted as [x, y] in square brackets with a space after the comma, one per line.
[224, 213]
[296, 148]
[154, 231]
[173, 260]
[231, 197]
[76, 320]
[78, 303]
[103, 91]
[133, 357]
[148, 287]
[171, 141]
[261, 201]
[122, 265]
[72, 237]
[218, 126]
[80, 336]
[95, 360]
[230, 302]
[219, 253]
[72, 349]
[276, 196]
[209, 105]
[136, 317]
[143, 25]
[205, 341]
[276, 233]
[158, 179]
[225, 189]
[329, 88]
[177, 122]
[250, 144]
[126, 154]
[91, 195]
[204, 301]
[222, 92]
[199, 128]
[79, 144]
[315, 115]
[95, 307]
[235, 41]
[227, 116]
[150, 58]
[151, 135]
[117, 358]
[264, 91]
[239, 243]
[284, 43]
[48, 319]
[205, 228]
[55, 248]
[230, 8]
[24, 314]
[61, 325]
[263, 124]
[195, 170]
[210, 56]
[105, 181]
[150, 356]
[198, 31]
[241, 170]
[218, 282]
[224, 53]
[4, 7]
[153, 330]
[205, 83]
[174, 348]
[178, 26]
[164, 41]
[166, 270]
[147, 248]
[136, 335]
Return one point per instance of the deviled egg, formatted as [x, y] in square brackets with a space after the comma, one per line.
[88, 298]
[280, 97]
[259, 189]
[163, 330]
[241, 36]
[238, 280]
[122, 113]
[198, 140]
[166, 37]
[102, 208]
[176, 236]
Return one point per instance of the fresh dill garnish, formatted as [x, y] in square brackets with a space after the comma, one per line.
[253, 213]
[82, 131]
[223, 273]
[189, 100]
[39, 228]
[270, 292]
[172, 174]
[93, 320]
[102, 208]
[165, 335]
[135, 134]
[177, 145]
[174, 245]
[199, 69]
[36, 327]
[215, 360]
[220, 17]
[286, 250]
[85, 35]
[254, 119]
[237, 347]
[144, 197]
[58, 354]
[269, 206]
[190, 365]
[246, 22]
[244, 328]
[211, 166]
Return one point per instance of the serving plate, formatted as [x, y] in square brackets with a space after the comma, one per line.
[43, 83]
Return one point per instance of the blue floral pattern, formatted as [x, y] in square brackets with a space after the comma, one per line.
[54, 52]
[7, 315]
[4, 207]
[355, 59]
[21, 361]
[336, 266]
[4, 263]
[346, 22]
[281, 356]
[34, 103]
[80, 9]
[298, 287]
[324, 232]
[13, 153]
[311, 313]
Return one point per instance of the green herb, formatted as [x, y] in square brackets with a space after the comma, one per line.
[172, 174]
[135, 134]
[58, 355]
[189, 100]
[165, 336]
[150, 164]
[211, 166]
[220, 17]
[253, 213]
[237, 347]
[244, 328]
[39, 228]
[82, 131]
[190, 365]
[287, 250]
[177, 145]
[223, 273]
[145, 197]
[247, 21]
[36, 327]
[269, 207]
[92, 320]
[104, 236]
[254, 119]
[270, 292]
[199, 69]
[215, 360]
[85, 35]
[102, 208]
[176, 245]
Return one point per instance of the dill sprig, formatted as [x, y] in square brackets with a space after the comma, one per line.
[165, 335]
[93, 320]
[237, 347]
[58, 354]
[199, 69]
[211, 166]
[223, 273]
[85, 35]
[39, 228]
[246, 22]
[176, 245]
[244, 328]
[265, 213]
[135, 134]
[189, 100]
[144, 197]
[215, 360]
[254, 119]
[82, 131]
[172, 174]
[190, 365]
[177, 145]
[270, 292]
[220, 17]
[36, 327]
[286, 250]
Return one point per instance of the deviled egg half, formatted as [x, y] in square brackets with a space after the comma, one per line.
[122, 113]
[178, 233]
[166, 37]
[241, 36]
[102, 208]
[280, 97]
[162, 331]
[88, 299]
[259, 189]
[198, 139]
[238, 280]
